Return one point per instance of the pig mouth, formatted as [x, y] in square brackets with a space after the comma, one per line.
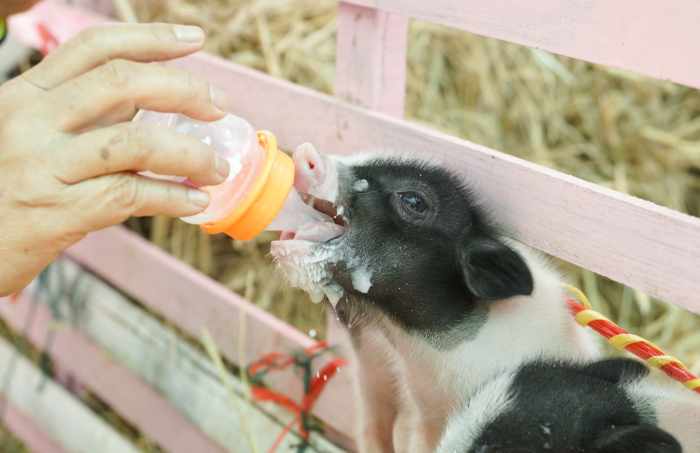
[319, 232]
[306, 255]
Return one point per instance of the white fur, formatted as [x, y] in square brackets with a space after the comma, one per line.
[466, 424]
[676, 410]
[431, 382]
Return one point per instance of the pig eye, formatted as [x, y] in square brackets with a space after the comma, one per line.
[413, 201]
[412, 206]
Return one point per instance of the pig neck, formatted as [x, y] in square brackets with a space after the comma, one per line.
[517, 330]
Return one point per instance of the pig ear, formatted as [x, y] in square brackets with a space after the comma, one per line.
[492, 270]
[646, 438]
[617, 370]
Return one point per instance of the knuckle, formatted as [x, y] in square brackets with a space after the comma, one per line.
[161, 33]
[89, 37]
[171, 195]
[92, 43]
[118, 73]
[18, 132]
[204, 158]
[8, 129]
[138, 146]
[127, 193]
[133, 141]
[192, 90]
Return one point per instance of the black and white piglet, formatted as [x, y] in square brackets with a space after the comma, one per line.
[436, 300]
[608, 406]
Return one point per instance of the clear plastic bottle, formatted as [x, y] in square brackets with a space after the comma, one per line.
[258, 195]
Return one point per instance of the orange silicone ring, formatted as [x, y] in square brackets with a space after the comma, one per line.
[259, 208]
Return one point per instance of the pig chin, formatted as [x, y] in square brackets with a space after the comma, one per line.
[307, 255]
[308, 265]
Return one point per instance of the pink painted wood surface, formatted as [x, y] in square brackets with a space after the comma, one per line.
[371, 58]
[195, 303]
[35, 439]
[656, 38]
[370, 72]
[126, 393]
[640, 244]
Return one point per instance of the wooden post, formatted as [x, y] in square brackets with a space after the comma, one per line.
[370, 72]
[371, 58]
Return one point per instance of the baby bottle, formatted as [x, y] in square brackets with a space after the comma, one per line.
[258, 195]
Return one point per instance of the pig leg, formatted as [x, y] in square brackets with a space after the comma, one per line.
[377, 404]
[410, 430]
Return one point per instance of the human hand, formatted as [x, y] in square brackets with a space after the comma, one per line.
[69, 153]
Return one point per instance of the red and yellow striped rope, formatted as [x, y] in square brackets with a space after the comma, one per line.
[583, 311]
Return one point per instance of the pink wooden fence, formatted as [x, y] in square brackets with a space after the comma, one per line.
[640, 244]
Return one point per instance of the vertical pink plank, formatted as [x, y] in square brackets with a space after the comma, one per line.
[657, 38]
[370, 72]
[371, 58]
[26, 430]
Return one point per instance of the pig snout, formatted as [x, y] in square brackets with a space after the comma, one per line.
[315, 174]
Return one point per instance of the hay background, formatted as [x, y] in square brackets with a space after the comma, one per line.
[611, 127]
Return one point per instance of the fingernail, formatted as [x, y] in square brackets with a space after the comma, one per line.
[218, 97]
[189, 34]
[198, 198]
[222, 167]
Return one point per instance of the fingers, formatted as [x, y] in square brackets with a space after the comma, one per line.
[139, 147]
[96, 46]
[83, 100]
[110, 200]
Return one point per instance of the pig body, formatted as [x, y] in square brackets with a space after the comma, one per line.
[436, 300]
[607, 406]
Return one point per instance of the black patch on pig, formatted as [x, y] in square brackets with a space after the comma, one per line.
[435, 259]
[567, 408]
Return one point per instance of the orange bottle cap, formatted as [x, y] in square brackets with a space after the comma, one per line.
[261, 205]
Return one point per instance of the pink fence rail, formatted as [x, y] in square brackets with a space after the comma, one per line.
[26, 430]
[115, 384]
[195, 302]
[640, 244]
[650, 37]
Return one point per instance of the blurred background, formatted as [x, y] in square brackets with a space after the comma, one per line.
[611, 127]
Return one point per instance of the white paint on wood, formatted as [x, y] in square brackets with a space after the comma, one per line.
[24, 428]
[65, 419]
[123, 390]
[178, 371]
[195, 302]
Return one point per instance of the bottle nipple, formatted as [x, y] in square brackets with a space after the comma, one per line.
[295, 213]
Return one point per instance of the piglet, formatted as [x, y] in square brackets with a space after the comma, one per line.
[608, 406]
[435, 298]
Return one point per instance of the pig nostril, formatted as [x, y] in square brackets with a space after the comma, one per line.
[312, 166]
